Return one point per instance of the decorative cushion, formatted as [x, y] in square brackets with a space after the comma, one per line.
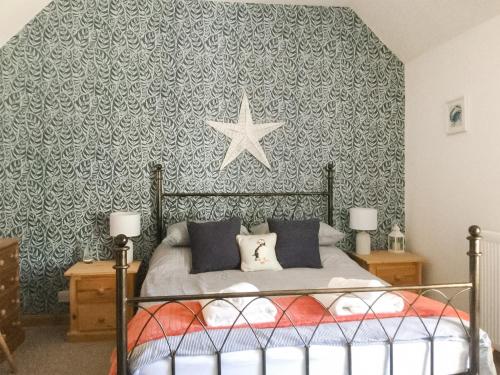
[297, 244]
[257, 252]
[178, 235]
[213, 245]
[327, 234]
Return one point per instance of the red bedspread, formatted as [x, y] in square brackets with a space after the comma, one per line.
[177, 319]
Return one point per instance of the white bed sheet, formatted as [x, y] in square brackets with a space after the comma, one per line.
[409, 359]
[169, 275]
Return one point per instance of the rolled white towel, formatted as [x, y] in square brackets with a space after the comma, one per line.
[225, 312]
[359, 303]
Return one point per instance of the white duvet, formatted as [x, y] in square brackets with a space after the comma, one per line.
[169, 274]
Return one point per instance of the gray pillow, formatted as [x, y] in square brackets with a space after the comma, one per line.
[214, 246]
[178, 235]
[327, 236]
[297, 244]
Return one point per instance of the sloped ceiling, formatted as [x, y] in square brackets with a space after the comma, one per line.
[14, 14]
[407, 27]
[411, 27]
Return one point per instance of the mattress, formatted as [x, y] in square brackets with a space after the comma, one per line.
[169, 275]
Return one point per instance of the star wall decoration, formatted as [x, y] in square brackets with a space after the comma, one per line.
[245, 135]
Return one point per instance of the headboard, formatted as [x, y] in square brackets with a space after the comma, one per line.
[161, 196]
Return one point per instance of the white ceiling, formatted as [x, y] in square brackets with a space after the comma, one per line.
[407, 27]
[411, 27]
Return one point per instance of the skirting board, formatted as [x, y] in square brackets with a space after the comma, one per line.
[29, 320]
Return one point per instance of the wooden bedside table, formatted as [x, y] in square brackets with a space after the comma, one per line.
[396, 269]
[92, 294]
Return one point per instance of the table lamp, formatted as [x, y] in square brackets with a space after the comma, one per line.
[127, 223]
[362, 220]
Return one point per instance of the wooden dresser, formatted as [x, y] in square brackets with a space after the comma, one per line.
[10, 310]
[397, 269]
[92, 294]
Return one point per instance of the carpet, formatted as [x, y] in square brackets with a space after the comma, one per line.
[45, 352]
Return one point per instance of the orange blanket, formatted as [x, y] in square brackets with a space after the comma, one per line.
[177, 319]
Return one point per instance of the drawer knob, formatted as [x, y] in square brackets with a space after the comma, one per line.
[16, 323]
[3, 312]
[15, 301]
[13, 256]
[2, 262]
[100, 291]
[2, 288]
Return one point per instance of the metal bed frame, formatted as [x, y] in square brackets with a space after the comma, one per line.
[471, 332]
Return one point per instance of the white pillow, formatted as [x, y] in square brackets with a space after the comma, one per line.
[327, 234]
[178, 235]
[258, 252]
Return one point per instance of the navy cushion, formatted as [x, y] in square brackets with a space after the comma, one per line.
[214, 246]
[297, 244]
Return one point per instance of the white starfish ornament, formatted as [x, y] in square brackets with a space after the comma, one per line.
[245, 135]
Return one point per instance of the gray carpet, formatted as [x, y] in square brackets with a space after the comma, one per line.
[45, 352]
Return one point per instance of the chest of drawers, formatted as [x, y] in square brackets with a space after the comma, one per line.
[10, 310]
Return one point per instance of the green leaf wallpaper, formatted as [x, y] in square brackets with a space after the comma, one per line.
[94, 92]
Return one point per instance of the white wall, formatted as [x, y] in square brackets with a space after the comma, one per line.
[453, 181]
[15, 14]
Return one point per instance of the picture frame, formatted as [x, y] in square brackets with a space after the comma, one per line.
[456, 115]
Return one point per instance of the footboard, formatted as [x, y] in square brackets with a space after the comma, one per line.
[289, 304]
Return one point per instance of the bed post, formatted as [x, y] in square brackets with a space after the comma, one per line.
[121, 302]
[329, 169]
[474, 254]
[158, 188]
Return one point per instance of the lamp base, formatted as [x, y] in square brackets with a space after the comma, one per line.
[130, 251]
[363, 245]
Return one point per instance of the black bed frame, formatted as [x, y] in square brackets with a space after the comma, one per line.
[121, 266]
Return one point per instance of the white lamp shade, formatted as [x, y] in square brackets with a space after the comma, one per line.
[127, 223]
[363, 218]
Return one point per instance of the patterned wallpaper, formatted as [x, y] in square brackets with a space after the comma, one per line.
[93, 92]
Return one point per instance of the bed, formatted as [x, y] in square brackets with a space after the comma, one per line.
[168, 334]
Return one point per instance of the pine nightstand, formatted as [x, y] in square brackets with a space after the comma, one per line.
[396, 269]
[92, 294]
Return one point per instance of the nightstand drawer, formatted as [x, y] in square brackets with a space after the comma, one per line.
[398, 273]
[99, 317]
[95, 290]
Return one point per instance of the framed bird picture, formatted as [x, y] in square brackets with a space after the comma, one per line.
[456, 115]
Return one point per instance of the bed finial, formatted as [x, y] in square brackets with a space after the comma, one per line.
[474, 273]
[121, 240]
[475, 231]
